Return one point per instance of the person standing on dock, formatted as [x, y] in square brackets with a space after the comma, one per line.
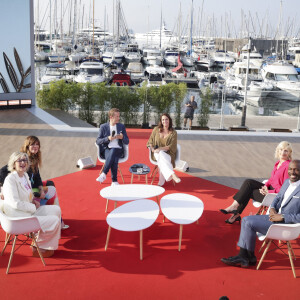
[191, 105]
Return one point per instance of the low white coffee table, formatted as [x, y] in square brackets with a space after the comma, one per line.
[128, 192]
[133, 216]
[181, 209]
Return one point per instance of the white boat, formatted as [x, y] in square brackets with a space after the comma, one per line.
[136, 70]
[222, 58]
[284, 78]
[156, 76]
[90, 71]
[204, 62]
[256, 90]
[152, 56]
[111, 55]
[158, 37]
[40, 56]
[57, 57]
[187, 61]
[55, 72]
[132, 53]
[77, 56]
[171, 57]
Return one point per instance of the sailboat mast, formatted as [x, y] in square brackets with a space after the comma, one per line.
[191, 31]
[160, 24]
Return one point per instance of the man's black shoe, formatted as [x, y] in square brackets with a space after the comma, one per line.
[236, 261]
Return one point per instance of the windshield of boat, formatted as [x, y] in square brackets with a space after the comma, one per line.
[91, 71]
[155, 77]
[286, 77]
[172, 54]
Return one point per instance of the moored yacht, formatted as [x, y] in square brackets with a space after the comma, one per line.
[284, 78]
[152, 56]
[90, 71]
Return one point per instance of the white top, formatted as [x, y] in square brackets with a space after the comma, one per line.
[181, 208]
[134, 216]
[113, 143]
[127, 192]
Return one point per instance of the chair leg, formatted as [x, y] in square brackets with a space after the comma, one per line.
[107, 237]
[153, 170]
[121, 173]
[11, 254]
[7, 239]
[264, 254]
[101, 169]
[154, 174]
[263, 244]
[38, 248]
[259, 211]
[291, 258]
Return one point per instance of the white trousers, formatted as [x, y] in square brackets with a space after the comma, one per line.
[49, 217]
[165, 166]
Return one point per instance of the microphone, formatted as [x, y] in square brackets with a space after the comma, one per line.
[155, 147]
[113, 133]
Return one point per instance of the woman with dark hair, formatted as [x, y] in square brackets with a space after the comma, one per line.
[46, 190]
[163, 145]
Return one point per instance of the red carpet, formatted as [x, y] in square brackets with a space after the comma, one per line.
[81, 269]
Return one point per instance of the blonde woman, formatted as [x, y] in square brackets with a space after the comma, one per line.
[18, 202]
[253, 189]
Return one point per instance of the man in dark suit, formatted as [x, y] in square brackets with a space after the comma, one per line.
[284, 209]
[112, 136]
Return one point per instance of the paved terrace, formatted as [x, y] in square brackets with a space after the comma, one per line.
[222, 157]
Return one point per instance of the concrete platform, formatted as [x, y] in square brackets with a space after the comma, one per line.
[222, 157]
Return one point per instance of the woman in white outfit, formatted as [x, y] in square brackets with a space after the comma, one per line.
[163, 144]
[18, 202]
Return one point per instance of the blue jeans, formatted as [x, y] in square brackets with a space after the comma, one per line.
[112, 156]
[251, 225]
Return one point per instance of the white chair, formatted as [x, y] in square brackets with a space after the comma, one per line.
[281, 232]
[153, 162]
[19, 226]
[121, 160]
[267, 201]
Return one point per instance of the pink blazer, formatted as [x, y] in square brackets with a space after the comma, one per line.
[278, 176]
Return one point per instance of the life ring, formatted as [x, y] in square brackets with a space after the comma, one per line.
[227, 68]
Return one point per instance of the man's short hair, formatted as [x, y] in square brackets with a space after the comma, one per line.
[112, 111]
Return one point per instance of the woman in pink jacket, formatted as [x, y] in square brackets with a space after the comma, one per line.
[252, 189]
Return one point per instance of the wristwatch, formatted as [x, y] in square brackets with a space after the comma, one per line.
[282, 215]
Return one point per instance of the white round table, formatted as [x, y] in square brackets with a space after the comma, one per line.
[181, 209]
[128, 192]
[133, 216]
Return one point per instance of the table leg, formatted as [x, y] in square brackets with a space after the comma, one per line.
[106, 205]
[115, 204]
[180, 237]
[157, 200]
[107, 237]
[146, 179]
[131, 177]
[141, 244]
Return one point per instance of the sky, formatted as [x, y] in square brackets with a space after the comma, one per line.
[144, 15]
[14, 33]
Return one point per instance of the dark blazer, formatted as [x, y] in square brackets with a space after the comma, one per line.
[291, 208]
[104, 133]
